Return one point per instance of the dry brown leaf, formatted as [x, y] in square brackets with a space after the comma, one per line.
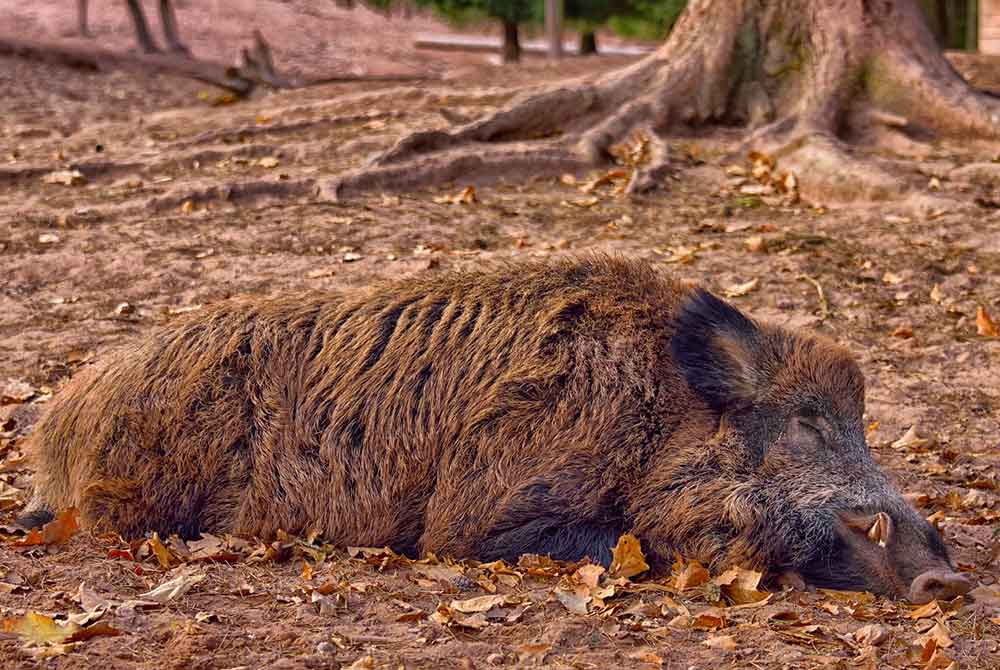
[467, 196]
[55, 532]
[939, 634]
[738, 290]
[726, 642]
[740, 586]
[933, 608]
[268, 162]
[872, 635]
[627, 559]
[97, 630]
[690, 575]
[911, 440]
[985, 325]
[892, 278]
[903, 332]
[575, 600]
[936, 294]
[483, 603]
[163, 555]
[533, 654]
[710, 619]
[755, 243]
[589, 575]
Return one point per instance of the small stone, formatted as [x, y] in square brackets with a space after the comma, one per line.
[326, 648]
[124, 309]
[495, 659]
[48, 238]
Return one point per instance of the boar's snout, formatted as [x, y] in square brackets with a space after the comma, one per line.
[938, 584]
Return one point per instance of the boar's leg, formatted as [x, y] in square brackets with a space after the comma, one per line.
[567, 521]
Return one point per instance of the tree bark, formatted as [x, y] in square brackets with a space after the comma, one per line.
[511, 50]
[168, 19]
[142, 33]
[81, 18]
[588, 43]
[816, 84]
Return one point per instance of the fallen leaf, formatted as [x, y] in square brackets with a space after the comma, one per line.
[65, 177]
[738, 290]
[873, 634]
[726, 642]
[691, 574]
[903, 332]
[97, 630]
[985, 325]
[589, 575]
[162, 554]
[926, 611]
[172, 588]
[39, 629]
[939, 634]
[533, 654]
[627, 559]
[740, 586]
[911, 440]
[936, 294]
[483, 603]
[268, 162]
[55, 532]
[48, 238]
[755, 243]
[892, 278]
[467, 196]
[575, 600]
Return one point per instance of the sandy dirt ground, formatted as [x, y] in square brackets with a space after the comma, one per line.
[126, 200]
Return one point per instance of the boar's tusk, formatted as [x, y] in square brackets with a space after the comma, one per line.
[881, 529]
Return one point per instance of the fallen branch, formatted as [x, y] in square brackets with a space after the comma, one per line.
[257, 67]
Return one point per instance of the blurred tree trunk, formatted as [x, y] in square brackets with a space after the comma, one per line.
[511, 50]
[588, 43]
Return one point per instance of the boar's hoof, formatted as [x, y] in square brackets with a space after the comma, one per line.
[938, 585]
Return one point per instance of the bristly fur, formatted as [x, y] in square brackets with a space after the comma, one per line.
[545, 407]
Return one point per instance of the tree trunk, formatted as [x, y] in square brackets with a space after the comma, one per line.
[511, 51]
[812, 82]
[588, 43]
[168, 19]
[142, 34]
[81, 18]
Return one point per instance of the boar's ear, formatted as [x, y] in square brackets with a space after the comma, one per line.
[716, 348]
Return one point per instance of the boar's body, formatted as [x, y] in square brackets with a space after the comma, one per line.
[541, 408]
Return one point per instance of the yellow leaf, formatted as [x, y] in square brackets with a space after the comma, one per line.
[163, 555]
[268, 162]
[985, 325]
[39, 629]
[627, 559]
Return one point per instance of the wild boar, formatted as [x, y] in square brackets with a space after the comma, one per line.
[539, 407]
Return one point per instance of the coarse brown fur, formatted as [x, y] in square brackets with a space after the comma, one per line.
[543, 408]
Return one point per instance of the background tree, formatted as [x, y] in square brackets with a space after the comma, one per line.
[510, 13]
[815, 84]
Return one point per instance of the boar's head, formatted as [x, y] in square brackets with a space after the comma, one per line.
[806, 494]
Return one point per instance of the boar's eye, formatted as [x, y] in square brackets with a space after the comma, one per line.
[815, 424]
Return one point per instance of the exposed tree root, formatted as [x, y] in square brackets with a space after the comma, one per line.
[817, 83]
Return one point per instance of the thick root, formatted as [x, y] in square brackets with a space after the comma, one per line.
[475, 163]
